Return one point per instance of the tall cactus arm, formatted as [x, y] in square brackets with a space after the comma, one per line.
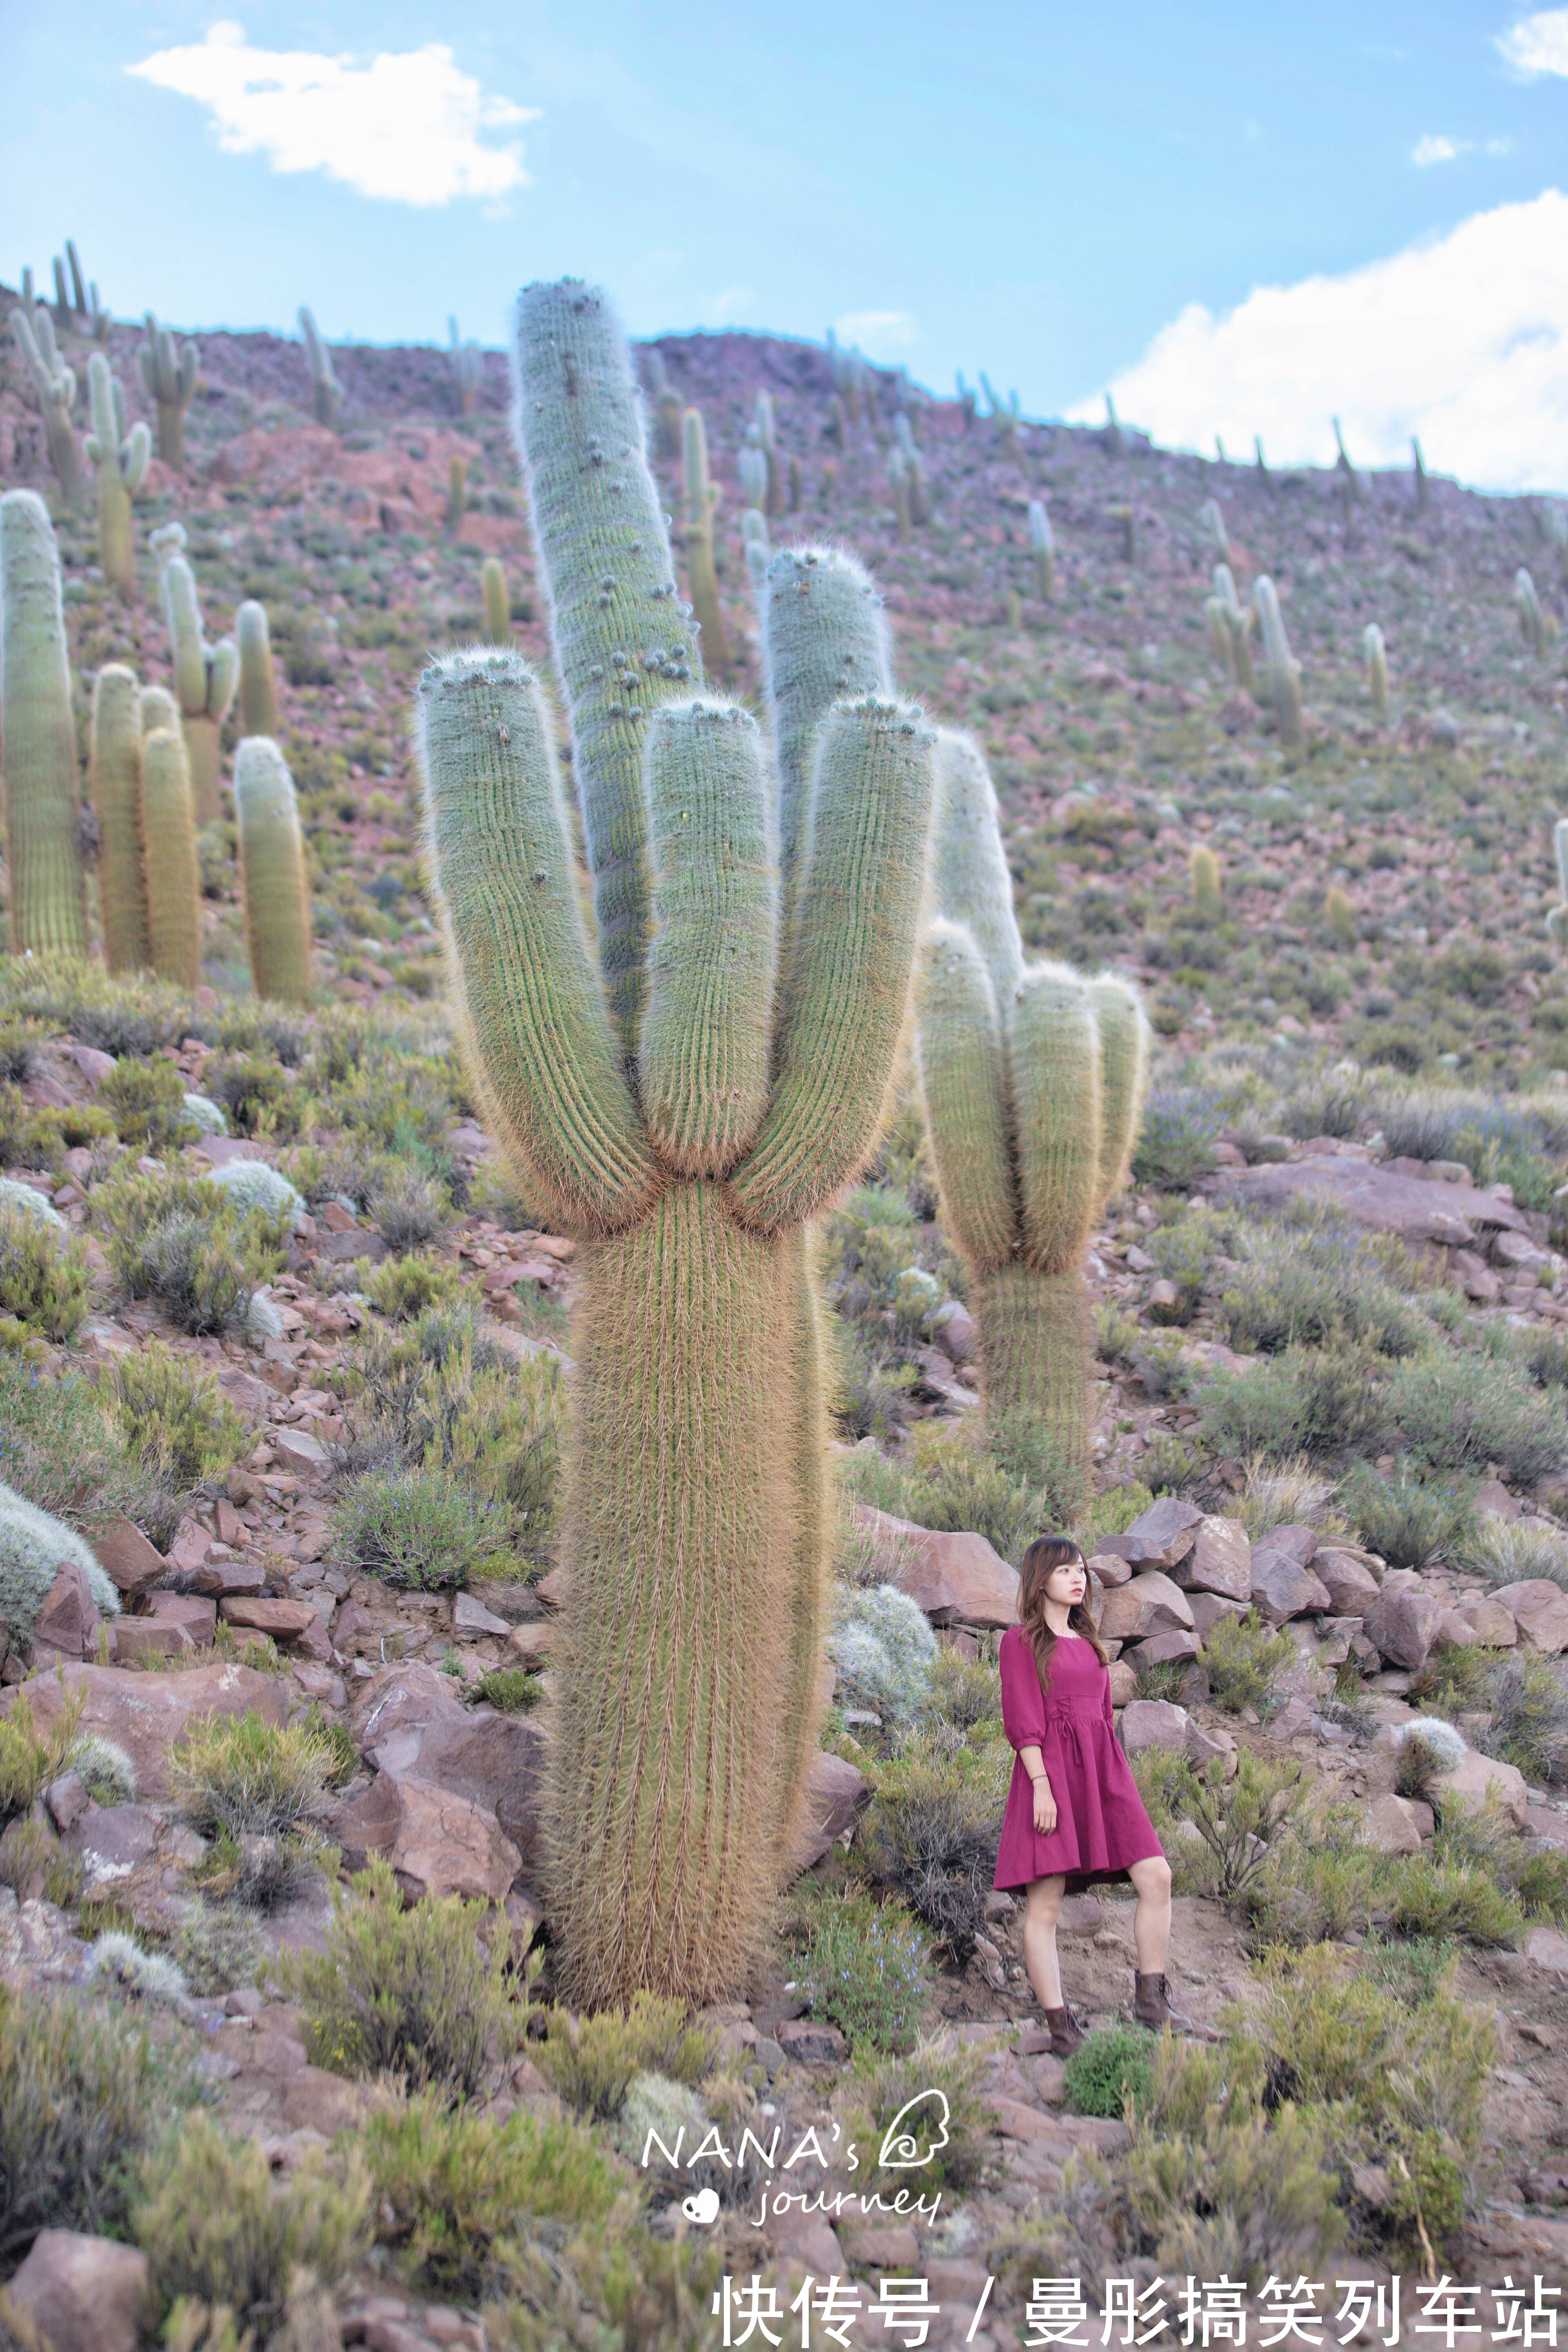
[1124, 1041]
[706, 1033]
[963, 1080]
[622, 644]
[847, 998]
[973, 882]
[500, 856]
[824, 639]
[48, 904]
[116, 779]
[1054, 1053]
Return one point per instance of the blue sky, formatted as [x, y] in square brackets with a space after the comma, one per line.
[1063, 203]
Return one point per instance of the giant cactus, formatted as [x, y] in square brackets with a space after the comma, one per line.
[699, 497]
[43, 851]
[170, 868]
[1284, 670]
[272, 873]
[758, 1061]
[54, 387]
[1376, 654]
[257, 686]
[170, 381]
[205, 677]
[120, 455]
[1034, 1081]
[116, 778]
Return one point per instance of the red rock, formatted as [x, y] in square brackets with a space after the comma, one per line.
[409, 1722]
[811, 2042]
[1494, 1621]
[245, 1393]
[81, 2293]
[1153, 1723]
[281, 1619]
[1220, 1561]
[1149, 1603]
[1402, 1625]
[1351, 1586]
[146, 1713]
[533, 1642]
[1540, 1610]
[191, 1546]
[1282, 1588]
[1179, 1642]
[67, 1624]
[437, 1843]
[1208, 1608]
[836, 1796]
[1160, 1537]
[1108, 1569]
[127, 1558]
[957, 1579]
[218, 1578]
[300, 1452]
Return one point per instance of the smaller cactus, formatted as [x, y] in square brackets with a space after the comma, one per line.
[116, 780]
[54, 388]
[667, 401]
[1211, 523]
[1263, 473]
[498, 603]
[898, 479]
[170, 868]
[1284, 671]
[1531, 619]
[1351, 481]
[914, 467]
[326, 392]
[1005, 415]
[751, 465]
[257, 684]
[122, 459]
[758, 546]
[1342, 918]
[1419, 474]
[466, 362]
[205, 677]
[1044, 550]
[1115, 440]
[702, 497]
[1127, 518]
[170, 382]
[272, 873]
[1557, 920]
[967, 401]
[1219, 636]
[772, 504]
[1238, 621]
[457, 492]
[1376, 668]
[1202, 871]
[79, 292]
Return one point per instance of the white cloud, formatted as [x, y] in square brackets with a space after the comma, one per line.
[1436, 149]
[878, 333]
[1538, 43]
[404, 126]
[1462, 341]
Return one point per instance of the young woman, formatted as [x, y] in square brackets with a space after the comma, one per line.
[1074, 1815]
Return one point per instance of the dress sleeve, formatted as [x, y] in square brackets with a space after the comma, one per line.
[1023, 1701]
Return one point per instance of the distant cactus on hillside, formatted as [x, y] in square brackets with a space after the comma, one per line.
[120, 455]
[54, 388]
[171, 380]
[326, 392]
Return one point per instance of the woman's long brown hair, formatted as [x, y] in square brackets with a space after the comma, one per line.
[1046, 1554]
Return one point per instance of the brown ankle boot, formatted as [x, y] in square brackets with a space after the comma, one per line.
[1151, 2006]
[1067, 2033]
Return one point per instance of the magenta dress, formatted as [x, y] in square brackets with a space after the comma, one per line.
[1101, 1823]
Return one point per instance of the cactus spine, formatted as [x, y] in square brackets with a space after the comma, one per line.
[169, 866]
[1044, 548]
[1531, 619]
[272, 873]
[116, 779]
[43, 855]
[702, 497]
[170, 382]
[498, 603]
[693, 1616]
[1034, 1080]
[326, 392]
[205, 677]
[257, 684]
[1284, 671]
[1203, 872]
[122, 459]
[1376, 668]
[467, 365]
[54, 387]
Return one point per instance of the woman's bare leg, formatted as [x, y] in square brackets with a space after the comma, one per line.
[1042, 1905]
[1151, 1916]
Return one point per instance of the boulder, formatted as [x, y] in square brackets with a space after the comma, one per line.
[811, 2042]
[1296, 1542]
[1402, 1624]
[1452, 1216]
[835, 1795]
[1201, 1745]
[408, 1723]
[1548, 1947]
[283, 1620]
[1474, 1277]
[957, 1579]
[145, 1714]
[81, 2293]
[1454, 1631]
[315, 2100]
[126, 1557]
[955, 1332]
[1108, 1569]
[1147, 1604]
[1282, 1588]
[299, 1452]
[1389, 1824]
[1124, 1683]
[1351, 1586]
[1180, 1641]
[171, 1623]
[1477, 1776]
[437, 1843]
[1540, 1610]
[1208, 1608]
[471, 1621]
[1220, 1561]
[1160, 1537]
[1154, 1723]
[1494, 1621]
[113, 1839]
[67, 1624]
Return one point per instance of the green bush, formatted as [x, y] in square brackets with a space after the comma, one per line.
[254, 1779]
[82, 2091]
[181, 1239]
[32, 1755]
[44, 1277]
[511, 1690]
[115, 1015]
[1529, 1704]
[421, 1530]
[172, 1417]
[865, 1966]
[1107, 2066]
[1313, 1402]
[932, 1832]
[213, 2226]
[412, 1992]
[1241, 1657]
[952, 1484]
[1407, 1519]
[1460, 1411]
[1176, 1140]
[61, 1449]
[403, 1287]
[879, 2086]
[220, 1946]
[409, 1210]
[147, 1100]
[1236, 1819]
[258, 1098]
[457, 2192]
[590, 2061]
[1315, 1288]
[964, 1693]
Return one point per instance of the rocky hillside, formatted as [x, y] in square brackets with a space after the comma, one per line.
[295, 1438]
